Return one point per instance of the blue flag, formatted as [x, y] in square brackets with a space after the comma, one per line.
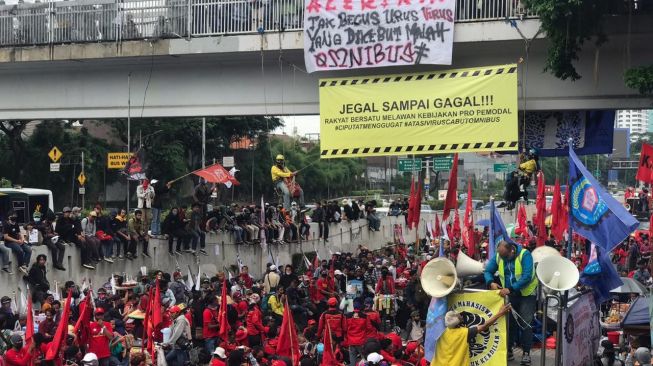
[498, 231]
[593, 212]
[434, 325]
[604, 280]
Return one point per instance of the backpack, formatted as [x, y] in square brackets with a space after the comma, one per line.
[265, 306]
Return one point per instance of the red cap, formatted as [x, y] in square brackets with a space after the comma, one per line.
[241, 335]
[411, 347]
[99, 310]
[332, 301]
[175, 309]
[311, 322]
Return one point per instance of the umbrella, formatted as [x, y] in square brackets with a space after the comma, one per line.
[483, 222]
[630, 286]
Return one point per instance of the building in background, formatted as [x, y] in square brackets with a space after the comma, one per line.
[635, 120]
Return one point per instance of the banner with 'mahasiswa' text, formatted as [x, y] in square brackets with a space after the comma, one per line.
[353, 34]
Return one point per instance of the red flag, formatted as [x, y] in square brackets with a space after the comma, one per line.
[645, 170]
[650, 229]
[468, 227]
[455, 229]
[216, 174]
[288, 345]
[556, 212]
[411, 199]
[157, 316]
[417, 204]
[222, 314]
[451, 201]
[82, 328]
[437, 230]
[564, 216]
[540, 206]
[522, 227]
[55, 350]
[29, 326]
[329, 355]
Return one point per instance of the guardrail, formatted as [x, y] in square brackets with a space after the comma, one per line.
[82, 21]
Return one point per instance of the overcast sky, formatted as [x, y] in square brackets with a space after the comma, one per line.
[304, 124]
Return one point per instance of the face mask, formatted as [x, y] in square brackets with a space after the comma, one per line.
[37, 219]
[288, 272]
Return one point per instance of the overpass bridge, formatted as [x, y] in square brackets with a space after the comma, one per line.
[169, 58]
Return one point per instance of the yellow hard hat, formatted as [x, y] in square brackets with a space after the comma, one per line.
[280, 157]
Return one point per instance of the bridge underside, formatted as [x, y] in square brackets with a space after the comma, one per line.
[232, 76]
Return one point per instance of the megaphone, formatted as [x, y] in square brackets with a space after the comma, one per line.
[557, 273]
[439, 277]
[542, 252]
[466, 266]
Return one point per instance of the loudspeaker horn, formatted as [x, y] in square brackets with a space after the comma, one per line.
[557, 273]
[466, 266]
[439, 277]
[542, 252]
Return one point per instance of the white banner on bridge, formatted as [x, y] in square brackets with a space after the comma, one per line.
[353, 34]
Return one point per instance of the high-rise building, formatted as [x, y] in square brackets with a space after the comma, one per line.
[637, 120]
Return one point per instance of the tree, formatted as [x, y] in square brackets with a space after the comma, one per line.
[13, 132]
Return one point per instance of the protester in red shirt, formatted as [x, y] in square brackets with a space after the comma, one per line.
[245, 277]
[386, 285]
[219, 357]
[374, 317]
[358, 326]
[325, 287]
[101, 335]
[18, 355]
[336, 322]
[271, 341]
[254, 322]
[210, 325]
[387, 350]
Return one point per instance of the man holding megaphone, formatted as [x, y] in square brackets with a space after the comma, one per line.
[518, 282]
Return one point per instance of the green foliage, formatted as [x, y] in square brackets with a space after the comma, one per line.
[320, 178]
[568, 24]
[640, 78]
[5, 183]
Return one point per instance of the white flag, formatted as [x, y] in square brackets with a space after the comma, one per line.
[197, 283]
[189, 281]
[113, 285]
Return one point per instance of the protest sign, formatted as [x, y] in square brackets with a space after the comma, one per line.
[487, 348]
[352, 34]
[582, 331]
[464, 110]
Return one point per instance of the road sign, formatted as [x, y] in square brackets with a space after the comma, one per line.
[118, 160]
[82, 190]
[55, 154]
[55, 167]
[504, 167]
[228, 161]
[440, 164]
[409, 165]
[81, 178]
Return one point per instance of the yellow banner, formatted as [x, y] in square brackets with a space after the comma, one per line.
[490, 348]
[117, 160]
[464, 110]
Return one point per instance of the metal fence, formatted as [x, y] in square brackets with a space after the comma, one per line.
[82, 21]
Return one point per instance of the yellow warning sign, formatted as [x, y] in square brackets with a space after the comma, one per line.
[118, 160]
[435, 112]
[55, 154]
[81, 178]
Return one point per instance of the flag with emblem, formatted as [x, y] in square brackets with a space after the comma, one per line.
[216, 173]
[498, 231]
[593, 212]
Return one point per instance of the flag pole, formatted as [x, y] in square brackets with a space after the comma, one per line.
[570, 231]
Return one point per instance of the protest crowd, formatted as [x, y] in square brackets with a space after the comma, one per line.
[362, 308]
